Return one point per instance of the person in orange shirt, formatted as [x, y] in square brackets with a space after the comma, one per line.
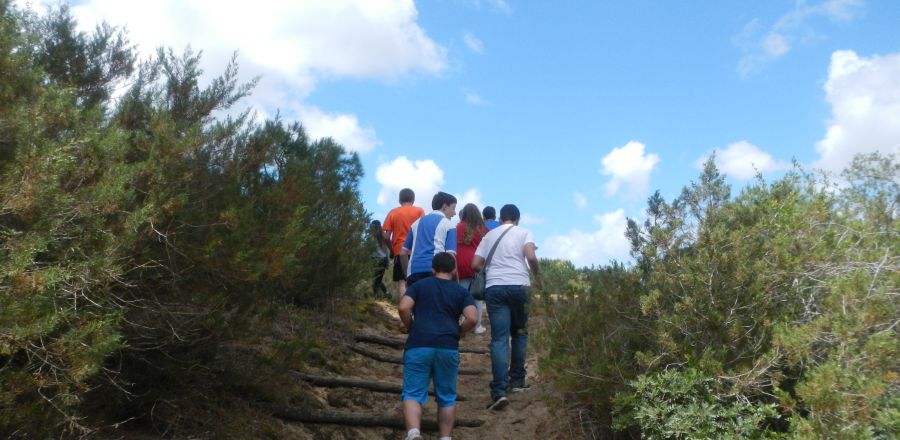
[396, 225]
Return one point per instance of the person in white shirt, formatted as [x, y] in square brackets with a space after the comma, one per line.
[507, 300]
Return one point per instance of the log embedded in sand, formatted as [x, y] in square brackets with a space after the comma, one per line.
[399, 343]
[352, 382]
[295, 414]
[391, 359]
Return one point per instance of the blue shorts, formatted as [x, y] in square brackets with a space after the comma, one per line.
[420, 365]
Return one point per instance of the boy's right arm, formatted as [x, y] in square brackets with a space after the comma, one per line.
[404, 309]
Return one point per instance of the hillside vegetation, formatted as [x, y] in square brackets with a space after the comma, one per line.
[166, 258]
[772, 314]
[141, 233]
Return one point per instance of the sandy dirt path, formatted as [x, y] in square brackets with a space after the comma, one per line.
[528, 415]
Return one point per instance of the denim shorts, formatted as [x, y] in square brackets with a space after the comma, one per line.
[420, 365]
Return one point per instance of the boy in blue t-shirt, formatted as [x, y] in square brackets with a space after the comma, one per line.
[490, 217]
[432, 347]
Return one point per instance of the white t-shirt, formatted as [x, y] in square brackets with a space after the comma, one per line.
[508, 266]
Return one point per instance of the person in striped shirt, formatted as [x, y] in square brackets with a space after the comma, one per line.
[429, 236]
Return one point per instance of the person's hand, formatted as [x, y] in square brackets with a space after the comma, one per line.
[403, 329]
[539, 282]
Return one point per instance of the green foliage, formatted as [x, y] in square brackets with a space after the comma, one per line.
[593, 332]
[785, 294]
[137, 236]
[686, 405]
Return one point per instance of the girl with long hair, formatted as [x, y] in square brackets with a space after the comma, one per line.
[469, 232]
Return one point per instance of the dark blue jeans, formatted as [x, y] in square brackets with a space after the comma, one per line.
[508, 310]
[418, 276]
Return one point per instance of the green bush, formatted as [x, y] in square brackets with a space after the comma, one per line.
[785, 294]
[686, 404]
[138, 235]
[593, 332]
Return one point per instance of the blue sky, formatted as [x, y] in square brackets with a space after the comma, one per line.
[576, 111]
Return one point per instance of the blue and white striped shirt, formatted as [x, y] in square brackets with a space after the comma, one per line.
[427, 237]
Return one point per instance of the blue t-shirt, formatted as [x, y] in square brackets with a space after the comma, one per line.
[428, 236]
[491, 224]
[438, 304]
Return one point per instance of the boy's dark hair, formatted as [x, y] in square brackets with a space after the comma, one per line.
[489, 213]
[443, 262]
[440, 199]
[509, 213]
[407, 196]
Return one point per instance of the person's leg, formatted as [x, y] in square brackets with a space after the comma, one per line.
[518, 303]
[446, 419]
[416, 376]
[498, 312]
[399, 277]
[412, 414]
[479, 324]
[479, 306]
[446, 370]
[378, 283]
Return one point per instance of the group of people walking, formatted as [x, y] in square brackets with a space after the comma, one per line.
[434, 265]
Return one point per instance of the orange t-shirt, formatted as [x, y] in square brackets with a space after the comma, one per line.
[398, 222]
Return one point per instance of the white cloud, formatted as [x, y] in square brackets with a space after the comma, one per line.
[498, 5]
[472, 195]
[528, 219]
[628, 166]
[864, 94]
[775, 45]
[840, 9]
[598, 247]
[359, 38]
[473, 43]
[474, 98]
[580, 200]
[342, 128]
[422, 176]
[761, 45]
[742, 160]
[290, 45]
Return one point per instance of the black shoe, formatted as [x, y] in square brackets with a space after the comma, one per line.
[522, 387]
[499, 404]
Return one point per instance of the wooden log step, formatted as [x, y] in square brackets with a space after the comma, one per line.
[352, 382]
[400, 343]
[296, 414]
[391, 359]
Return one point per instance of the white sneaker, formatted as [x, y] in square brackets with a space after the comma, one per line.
[480, 330]
[498, 404]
